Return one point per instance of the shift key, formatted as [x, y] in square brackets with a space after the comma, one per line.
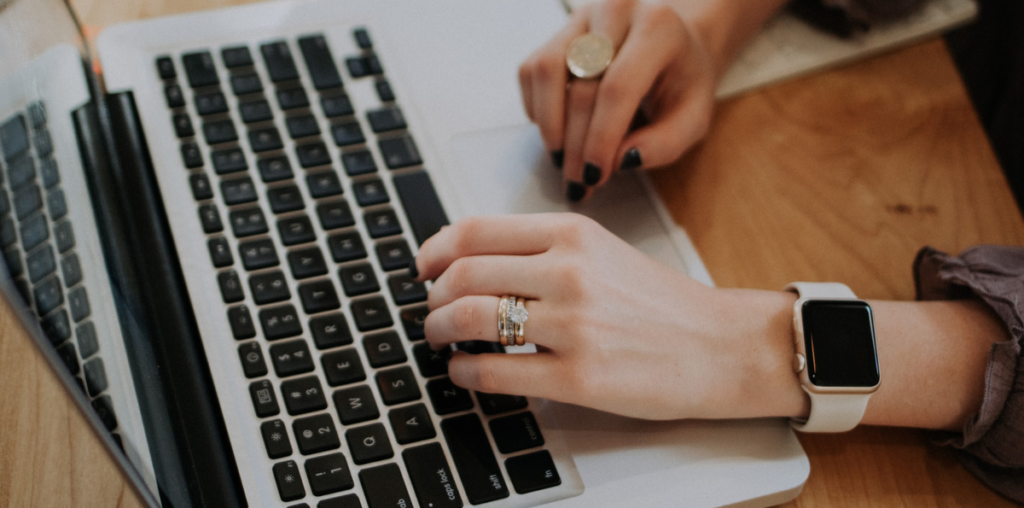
[474, 459]
[431, 477]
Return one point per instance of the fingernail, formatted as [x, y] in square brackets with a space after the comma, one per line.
[413, 272]
[558, 157]
[591, 174]
[631, 160]
[575, 192]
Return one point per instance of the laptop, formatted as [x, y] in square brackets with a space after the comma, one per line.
[208, 241]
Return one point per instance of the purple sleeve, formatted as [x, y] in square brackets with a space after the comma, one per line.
[992, 443]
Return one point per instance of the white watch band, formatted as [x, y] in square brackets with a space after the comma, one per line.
[830, 412]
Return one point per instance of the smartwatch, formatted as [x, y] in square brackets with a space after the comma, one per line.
[836, 357]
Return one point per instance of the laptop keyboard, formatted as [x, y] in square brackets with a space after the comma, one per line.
[311, 234]
[38, 242]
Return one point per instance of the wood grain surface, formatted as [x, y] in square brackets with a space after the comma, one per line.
[841, 176]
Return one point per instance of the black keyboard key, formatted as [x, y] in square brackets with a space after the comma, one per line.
[69, 356]
[264, 140]
[48, 295]
[336, 105]
[34, 231]
[431, 363]
[210, 219]
[191, 156]
[258, 254]
[242, 326]
[88, 345]
[285, 199]
[330, 331]
[384, 349]
[328, 474]
[357, 67]
[64, 236]
[411, 424]
[358, 163]
[95, 376]
[532, 472]
[222, 131]
[370, 192]
[334, 215]
[71, 269]
[255, 111]
[165, 67]
[313, 155]
[27, 200]
[467, 442]
[496, 403]
[280, 64]
[322, 185]
[292, 99]
[280, 322]
[476, 347]
[269, 288]
[21, 172]
[347, 133]
[57, 327]
[253, 364]
[14, 137]
[8, 231]
[40, 263]
[371, 314]
[248, 222]
[422, 206]
[404, 290]
[238, 191]
[104, 409]
[307, 263]
[382, 223]
[302, 126]
[13, 258]
[200, 69]
[230, 287]
[320, 62]
[431, 476]
[291, 358]
[516, 432]
[384, 487]
[172, 94]
[78, 303]
[275, 438]
[318, 296]
[394, 255]
[289, 482]
[343, 367]
[362, 40]
[56, 204]
[400, 152]
[48, 172]
[220, 253]
[373, 65]
[358, 279]
[346, 246]
[200, 185]
[296, 230]
[275, 169]
[44, 145]
[229, 161]
[384, 91]
[386, 119]
[412, 322]
[37, 114]
[369, 443]
[237, 56]
[315, 434]
[448, 398]
[355, 405]
[212, 103]
[243, 84]
[398, 386]
[303, 395]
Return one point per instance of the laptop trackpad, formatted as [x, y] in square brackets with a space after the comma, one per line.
[507, 170]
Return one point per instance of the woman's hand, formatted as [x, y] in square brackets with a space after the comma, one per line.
[615, 330]
[661, 67]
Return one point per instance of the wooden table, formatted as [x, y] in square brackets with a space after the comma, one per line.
[841, 176]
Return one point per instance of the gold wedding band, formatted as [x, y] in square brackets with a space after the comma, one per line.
[512, 316]
[589, 55]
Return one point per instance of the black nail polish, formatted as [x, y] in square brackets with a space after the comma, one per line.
[413, 272]
[558, 157]
[591, 174]
[631, 160]
[575, 192]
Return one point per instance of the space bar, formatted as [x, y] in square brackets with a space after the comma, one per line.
[422, 207]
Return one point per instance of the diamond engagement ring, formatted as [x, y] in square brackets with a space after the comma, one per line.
[589, 55]
[512, 316]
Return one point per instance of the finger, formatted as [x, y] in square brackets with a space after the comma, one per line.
[526, 87]
[668, 136]
[548, 76]
[476, 318]
[522, 276]
[486, 235]
[530, 375]
[579, 107]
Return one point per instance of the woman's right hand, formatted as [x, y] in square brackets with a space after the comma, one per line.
[661, 68]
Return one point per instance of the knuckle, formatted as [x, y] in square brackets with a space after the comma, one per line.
[619, 8]
[548, 66]
[458, 276]
[612, 91]
[464, 315]
[486, 376]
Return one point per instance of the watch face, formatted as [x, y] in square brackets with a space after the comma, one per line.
[840, 343]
